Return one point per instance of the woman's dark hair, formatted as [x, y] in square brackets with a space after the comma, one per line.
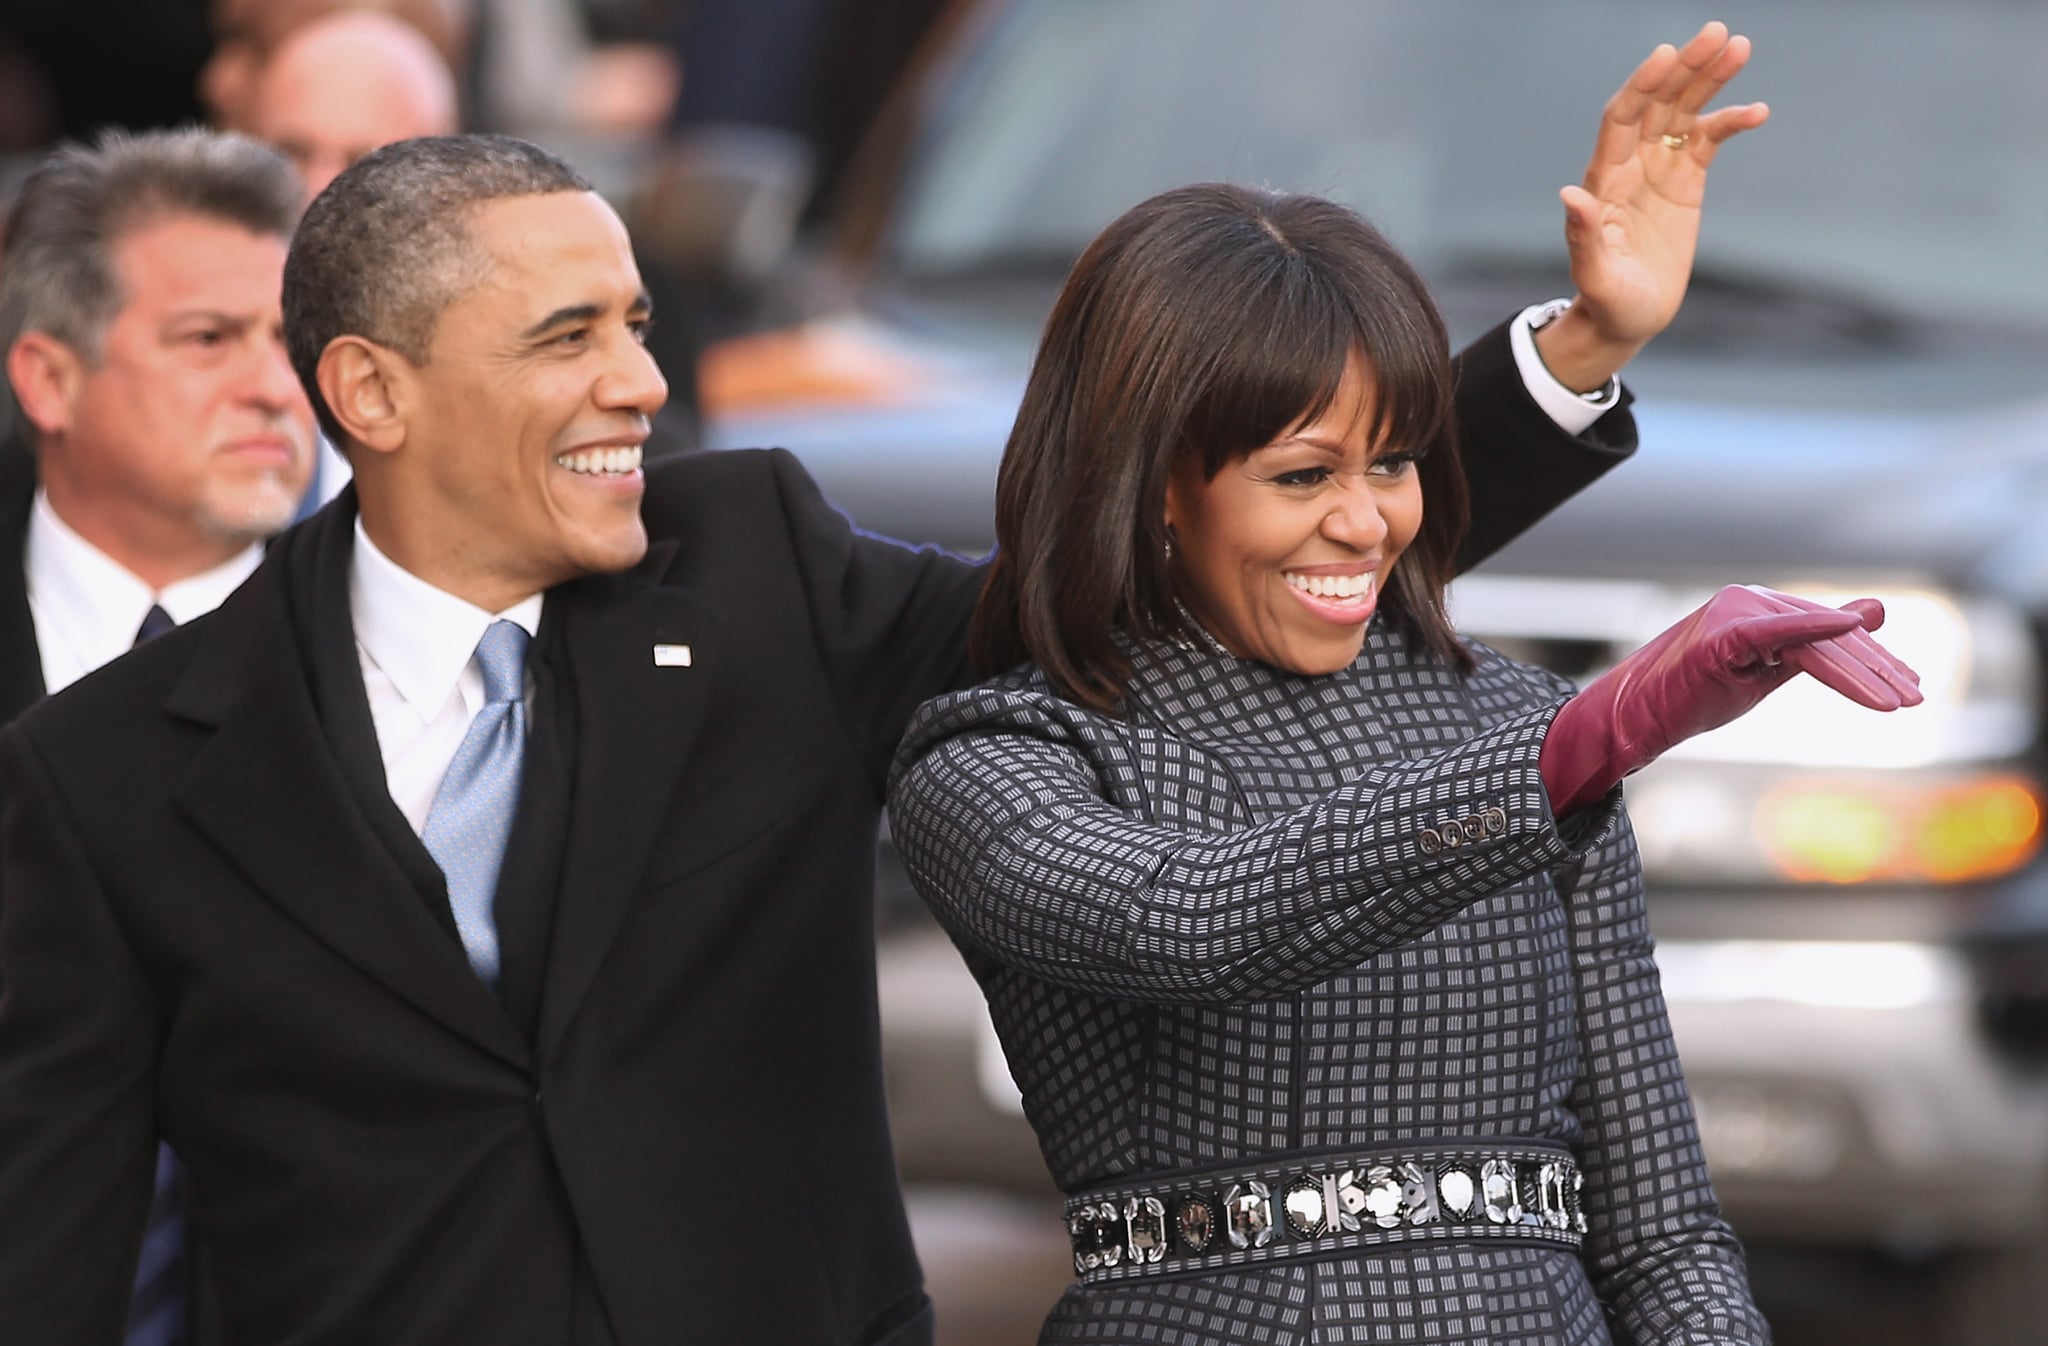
[1199, 326]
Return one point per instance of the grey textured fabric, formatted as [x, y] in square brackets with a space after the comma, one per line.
[1211, 931]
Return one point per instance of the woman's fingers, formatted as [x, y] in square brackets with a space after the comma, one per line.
[1710, 60]
[1859, 668]
[1869, 609]
[1764, 638]
[1831, 644]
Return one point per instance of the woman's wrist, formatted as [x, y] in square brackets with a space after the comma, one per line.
[1578, 354]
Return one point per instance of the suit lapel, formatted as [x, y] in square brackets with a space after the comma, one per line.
[637, 714]
[21, 660]
[266, 791]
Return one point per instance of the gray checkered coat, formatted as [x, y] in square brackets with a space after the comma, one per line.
[1210, 932]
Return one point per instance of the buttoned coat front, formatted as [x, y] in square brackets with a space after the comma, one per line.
[1261, 915]
[202, 936]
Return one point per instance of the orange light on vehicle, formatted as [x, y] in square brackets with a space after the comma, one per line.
[1823, 835]
[1853, 832]
[1978, 830]
[813, 366]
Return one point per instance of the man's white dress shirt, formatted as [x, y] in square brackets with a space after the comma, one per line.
[87, 606]
[417, 645]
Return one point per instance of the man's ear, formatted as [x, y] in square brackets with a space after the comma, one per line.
[365, 386]
[46, 374]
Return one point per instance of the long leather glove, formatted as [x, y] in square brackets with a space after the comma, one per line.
[1731, 653]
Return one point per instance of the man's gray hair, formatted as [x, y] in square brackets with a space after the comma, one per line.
[57, 271]
[387, 247]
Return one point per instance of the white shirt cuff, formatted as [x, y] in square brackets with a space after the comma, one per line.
[1574, 412]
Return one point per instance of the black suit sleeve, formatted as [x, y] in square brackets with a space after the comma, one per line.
[78, 1047]
[1519, 464]
[890, 619]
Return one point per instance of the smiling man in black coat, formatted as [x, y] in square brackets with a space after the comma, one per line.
[478, 901]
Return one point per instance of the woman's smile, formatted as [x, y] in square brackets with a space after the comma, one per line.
[1347, 599]
[1283, 554]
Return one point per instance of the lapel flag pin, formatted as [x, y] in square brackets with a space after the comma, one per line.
[671, 656]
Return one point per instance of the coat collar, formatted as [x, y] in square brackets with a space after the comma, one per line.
[317, 856]
[321, 861]
[21, 663]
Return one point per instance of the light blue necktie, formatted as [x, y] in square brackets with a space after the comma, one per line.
[472, 813]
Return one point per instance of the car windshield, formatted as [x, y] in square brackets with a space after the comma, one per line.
[1901, 173]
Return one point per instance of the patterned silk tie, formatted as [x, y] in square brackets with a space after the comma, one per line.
[472, 814]
[156, 1315]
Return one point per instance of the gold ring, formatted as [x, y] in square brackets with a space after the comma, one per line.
[1672, 142]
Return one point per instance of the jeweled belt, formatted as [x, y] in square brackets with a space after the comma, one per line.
[1306, 1205]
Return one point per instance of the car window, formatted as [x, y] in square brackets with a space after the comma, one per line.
[1901, 166]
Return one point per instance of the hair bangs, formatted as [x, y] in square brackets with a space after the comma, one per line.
[1277, 365]
[1412, 396]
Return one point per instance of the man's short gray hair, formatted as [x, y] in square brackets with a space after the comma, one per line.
[57, 271]
[387, 247]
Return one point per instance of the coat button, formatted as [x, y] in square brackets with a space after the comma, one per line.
[1496, 820]
[1430, 841]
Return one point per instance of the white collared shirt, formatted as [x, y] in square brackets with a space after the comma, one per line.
[87, 606]
[417, 645]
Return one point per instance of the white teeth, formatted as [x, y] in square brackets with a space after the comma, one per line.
[1332, 586]
[600, 462]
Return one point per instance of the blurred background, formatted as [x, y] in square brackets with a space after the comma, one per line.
[854, 214]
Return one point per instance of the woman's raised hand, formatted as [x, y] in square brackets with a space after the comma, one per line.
[1632, 225]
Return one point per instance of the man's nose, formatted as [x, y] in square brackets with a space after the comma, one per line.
[631, 380]
[269, 381]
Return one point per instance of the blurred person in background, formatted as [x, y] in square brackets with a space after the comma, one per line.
[333, 89]
[1315, 936]
[163, 439]
[344, 84]
[528, 66]
[248, 33]
[140, 321]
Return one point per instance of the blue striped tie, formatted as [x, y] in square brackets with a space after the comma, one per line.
[156, 1316]
[472, 813]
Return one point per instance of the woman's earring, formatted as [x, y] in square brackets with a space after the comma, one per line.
[1169, 546]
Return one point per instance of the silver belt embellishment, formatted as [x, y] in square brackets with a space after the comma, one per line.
[1343, 1203]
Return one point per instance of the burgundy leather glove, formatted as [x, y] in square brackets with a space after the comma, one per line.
[1745, 643]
